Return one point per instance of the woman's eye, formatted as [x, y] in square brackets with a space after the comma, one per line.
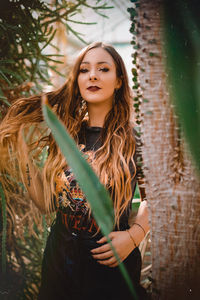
[83, 70]
[104, 69]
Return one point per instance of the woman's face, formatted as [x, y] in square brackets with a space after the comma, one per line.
[97, 77]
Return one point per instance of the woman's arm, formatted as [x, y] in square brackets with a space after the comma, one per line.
[31, 175]
[141, 224]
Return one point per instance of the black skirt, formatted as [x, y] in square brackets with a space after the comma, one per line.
[70, 272]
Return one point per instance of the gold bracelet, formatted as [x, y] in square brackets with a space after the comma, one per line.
[140, 227]
[131, 237]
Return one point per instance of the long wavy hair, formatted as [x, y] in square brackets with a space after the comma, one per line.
[112, 160]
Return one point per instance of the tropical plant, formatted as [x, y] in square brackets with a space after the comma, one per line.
[171, 180]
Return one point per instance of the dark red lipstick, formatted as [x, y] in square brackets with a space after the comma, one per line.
[93, 88]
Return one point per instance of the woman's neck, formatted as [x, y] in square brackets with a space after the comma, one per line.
[97, 114]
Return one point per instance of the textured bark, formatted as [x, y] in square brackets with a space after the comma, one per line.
[172, 187]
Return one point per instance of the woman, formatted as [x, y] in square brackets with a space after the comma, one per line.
[95, 106]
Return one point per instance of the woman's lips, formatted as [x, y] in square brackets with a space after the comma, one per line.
[93, 88]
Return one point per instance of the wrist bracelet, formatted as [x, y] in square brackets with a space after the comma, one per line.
[140, 227]
[131, 237]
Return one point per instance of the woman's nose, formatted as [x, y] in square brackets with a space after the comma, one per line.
[93, 75]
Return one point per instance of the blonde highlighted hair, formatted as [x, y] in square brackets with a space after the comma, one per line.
[112, 160]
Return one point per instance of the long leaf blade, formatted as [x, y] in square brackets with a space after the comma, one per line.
[95, 192]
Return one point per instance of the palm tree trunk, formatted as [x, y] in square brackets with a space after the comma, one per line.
[172, 186]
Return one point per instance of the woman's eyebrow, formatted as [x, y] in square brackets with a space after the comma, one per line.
[98, 63]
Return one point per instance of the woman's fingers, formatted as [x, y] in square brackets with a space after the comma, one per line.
[101, 249]
[104, 255]
[123, 247]
[102, 240]
[114, 265]
[108, 262]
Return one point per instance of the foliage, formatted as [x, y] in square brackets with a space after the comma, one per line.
[27, 29]
[182, 46]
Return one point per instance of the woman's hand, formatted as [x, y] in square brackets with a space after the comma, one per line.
[122, 244]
